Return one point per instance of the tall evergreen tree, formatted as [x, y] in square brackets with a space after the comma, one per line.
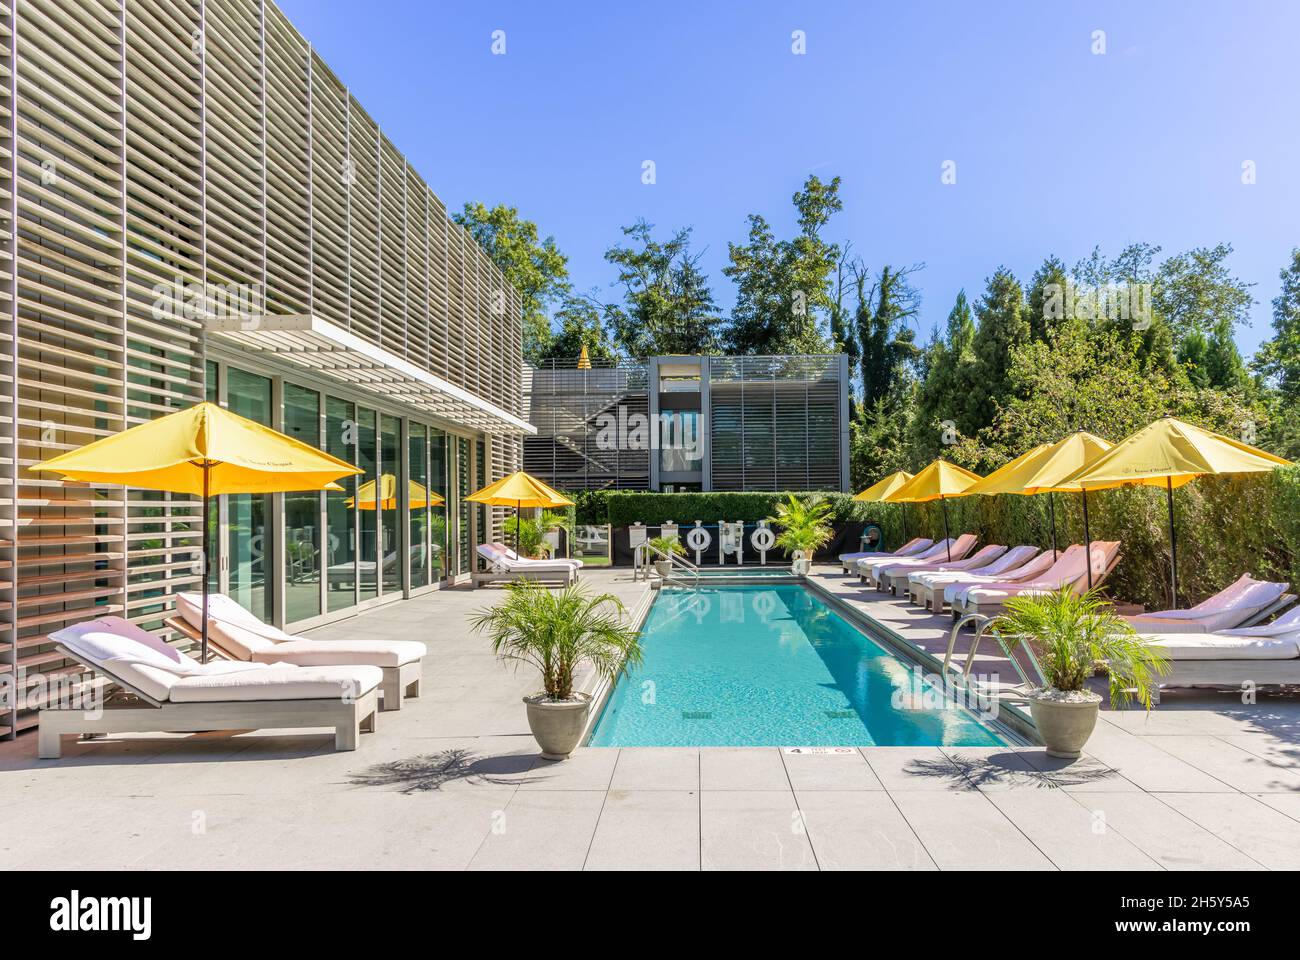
[1279, 358]
[947, 384]
[1002, 326]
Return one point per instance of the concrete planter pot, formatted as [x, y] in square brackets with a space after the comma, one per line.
[557, 725]
[663, 567]
[1064, 725]
[801, 567]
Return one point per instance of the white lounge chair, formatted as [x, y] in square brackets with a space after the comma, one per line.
[238, 635]
[849, 561]
[926, 586]
[897, 581]
[502, 568]
[941, 552]
[1238, 658]
[510, 553]
[1069, 571]
[953, 593]
[182, 695]
[866, 567]
[1231, 607]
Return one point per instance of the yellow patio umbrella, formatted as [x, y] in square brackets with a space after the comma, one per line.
[1042, 469]
[417, 495]
[1169, 453]
[520, 490]
[584, 361]
[204, 449]
[939, 481]
[878, 491]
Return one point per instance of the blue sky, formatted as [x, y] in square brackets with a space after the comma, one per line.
[1057, 149]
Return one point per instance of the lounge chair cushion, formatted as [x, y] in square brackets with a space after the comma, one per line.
[1224, 610]
[223, 608]
[137, 657]
[277, 683]
[314, 653]
[1214, 646]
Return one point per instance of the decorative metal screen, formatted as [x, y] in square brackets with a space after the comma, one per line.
[775, 422]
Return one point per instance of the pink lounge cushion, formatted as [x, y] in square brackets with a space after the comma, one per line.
[1013, 558]
[1226, 609]
[278, 683]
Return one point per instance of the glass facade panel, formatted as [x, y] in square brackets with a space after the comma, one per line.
[392, 535]
[463, 480]
[480, 471]
[417, 455]
[368, 461]
[249, 395]
[438, 515]
[302, 555]
[341, 519]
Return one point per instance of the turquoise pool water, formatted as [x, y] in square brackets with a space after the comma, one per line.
[772, 665]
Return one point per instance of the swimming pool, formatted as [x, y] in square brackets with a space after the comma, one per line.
[773, 665]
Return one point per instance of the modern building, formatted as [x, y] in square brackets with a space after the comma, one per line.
[714, 423]
[195, 206]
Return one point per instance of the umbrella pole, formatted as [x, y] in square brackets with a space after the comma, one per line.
[1087, 538]
[1051, 512]
[1173, 545]
[947, 539]
[517, 509]
[207, 560]
[903, 507]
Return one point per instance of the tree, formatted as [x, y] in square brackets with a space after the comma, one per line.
[536, 268]
[577, 324]
[1002, 327]
[781, 285]
[667, 305]
[948, 384]
[1279, 358]
[1195, 292]
[886, 343]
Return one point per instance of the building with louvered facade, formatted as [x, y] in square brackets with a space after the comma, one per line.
[676, 424]
[197, 208]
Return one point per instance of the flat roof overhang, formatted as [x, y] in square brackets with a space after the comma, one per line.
[332, 353]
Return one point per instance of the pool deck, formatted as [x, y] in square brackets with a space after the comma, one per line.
[454, 781]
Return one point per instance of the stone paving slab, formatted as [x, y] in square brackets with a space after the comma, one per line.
[454, 781]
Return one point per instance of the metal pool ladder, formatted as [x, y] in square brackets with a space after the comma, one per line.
[675, 562]
[984, 626]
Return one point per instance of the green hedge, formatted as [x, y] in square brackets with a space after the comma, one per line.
[1226, 526]
[623, 508]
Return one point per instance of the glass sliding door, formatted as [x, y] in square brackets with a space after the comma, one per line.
[368, 461]
[480, 481]
[464, 551]
[388, 503]
[417, 455]
[249, 395]
[341, 516]
[302, 553]
[438, 515]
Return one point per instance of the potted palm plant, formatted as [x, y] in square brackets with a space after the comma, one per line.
[804, 527]
[1072, 636]
[666, 545]
[557, 631]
